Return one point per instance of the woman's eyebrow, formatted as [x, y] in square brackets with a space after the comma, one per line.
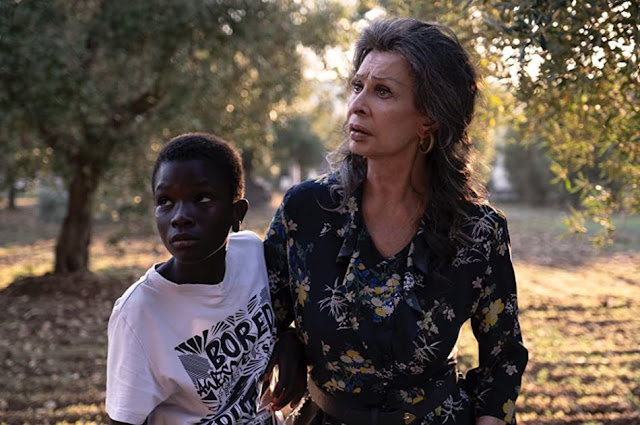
[375, 77]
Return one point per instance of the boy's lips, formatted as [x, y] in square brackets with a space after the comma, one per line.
[183, 240]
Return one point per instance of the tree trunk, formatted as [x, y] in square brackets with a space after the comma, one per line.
[72, 246]
[11, 195]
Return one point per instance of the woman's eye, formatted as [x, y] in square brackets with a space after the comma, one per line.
[356, 86]
[203, 198]
[383, 91]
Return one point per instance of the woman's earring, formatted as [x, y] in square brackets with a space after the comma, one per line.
[424, 148]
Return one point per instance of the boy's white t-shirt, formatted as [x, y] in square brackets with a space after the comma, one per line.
[193, 353]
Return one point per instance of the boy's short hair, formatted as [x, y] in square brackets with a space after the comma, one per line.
[211, 149]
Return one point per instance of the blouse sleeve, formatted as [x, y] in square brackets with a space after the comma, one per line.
[495, 384]
[275, 250]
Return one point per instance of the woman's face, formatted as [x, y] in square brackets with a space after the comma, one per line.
[382, 118]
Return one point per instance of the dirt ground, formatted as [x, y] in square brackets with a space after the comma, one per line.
[580, 310]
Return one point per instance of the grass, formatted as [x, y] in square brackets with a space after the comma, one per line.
[579, 314]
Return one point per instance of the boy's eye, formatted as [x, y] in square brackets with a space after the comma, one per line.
[162, 202]
[203, 198]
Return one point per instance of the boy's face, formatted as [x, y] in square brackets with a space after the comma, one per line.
[193, 209]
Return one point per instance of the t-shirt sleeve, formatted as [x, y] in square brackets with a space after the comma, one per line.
[496, 382]
[275, 251]
[132, 390]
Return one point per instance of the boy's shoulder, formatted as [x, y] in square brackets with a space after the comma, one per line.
[244, 237]
[132, 298]
[244, 245]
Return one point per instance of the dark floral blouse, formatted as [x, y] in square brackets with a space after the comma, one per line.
[382, 331]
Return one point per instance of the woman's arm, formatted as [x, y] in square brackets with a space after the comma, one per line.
[495, 384]
[288, 354]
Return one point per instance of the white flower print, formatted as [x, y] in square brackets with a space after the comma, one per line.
[355, 325]
[477, 283]
[449, 314]
[425, 351]
[496, 350]
[510, 369]
[449, 409]
[326, 228]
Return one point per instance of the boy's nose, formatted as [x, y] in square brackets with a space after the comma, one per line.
[182, 216]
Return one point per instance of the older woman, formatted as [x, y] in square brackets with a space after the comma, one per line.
[381, 262]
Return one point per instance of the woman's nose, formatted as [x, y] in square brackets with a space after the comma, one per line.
[183, 216]
[358, 104]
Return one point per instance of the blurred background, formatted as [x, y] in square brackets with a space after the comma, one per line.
[91, 90]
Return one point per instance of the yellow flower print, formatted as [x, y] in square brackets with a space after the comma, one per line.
[301, 289]
[438, 410]
[281, 312]
[333, 385]
[355, 356]
[417, 399]
[495, 308]
[357, 390]
[393, 281]
[346, 359]
[368, 370]
[509, 408]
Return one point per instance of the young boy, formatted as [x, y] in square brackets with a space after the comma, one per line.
[189, 341]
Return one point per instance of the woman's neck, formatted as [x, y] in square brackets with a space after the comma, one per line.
[396, 181]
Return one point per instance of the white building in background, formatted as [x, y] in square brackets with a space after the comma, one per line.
[499, 175]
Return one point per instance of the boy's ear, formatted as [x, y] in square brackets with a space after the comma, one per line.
[240, 208]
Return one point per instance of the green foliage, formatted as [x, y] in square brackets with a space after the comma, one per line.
[530, 174]
[578, 76]
[98, 82]
[94, 75]
[574, 67]
[296, 142]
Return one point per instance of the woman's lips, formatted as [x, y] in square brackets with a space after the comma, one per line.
[357, 132]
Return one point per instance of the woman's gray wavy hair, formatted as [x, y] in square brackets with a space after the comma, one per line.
[445, 89]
